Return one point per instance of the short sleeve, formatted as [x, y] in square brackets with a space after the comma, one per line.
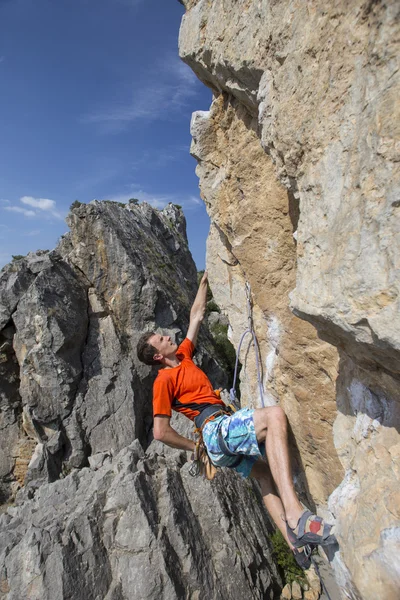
[186, 349]
[163, 396]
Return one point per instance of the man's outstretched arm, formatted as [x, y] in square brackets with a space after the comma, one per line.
[198, 309]
[163, 432]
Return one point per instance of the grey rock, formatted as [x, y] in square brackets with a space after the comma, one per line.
[10, 412]
[15, 279]
[51, 325]
[70, 371]
[135, 529]
[216, 318]
[98, 460]
[133, 524]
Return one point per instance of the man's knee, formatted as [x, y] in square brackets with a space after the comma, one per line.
[276, 412]
[271, 417]
[275, 417]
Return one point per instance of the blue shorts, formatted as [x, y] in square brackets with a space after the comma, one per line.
[239, 435]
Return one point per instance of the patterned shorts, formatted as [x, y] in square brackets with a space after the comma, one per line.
[239, 435]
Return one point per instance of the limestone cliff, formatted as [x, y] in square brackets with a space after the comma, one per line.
[298, 165]
[92, 507]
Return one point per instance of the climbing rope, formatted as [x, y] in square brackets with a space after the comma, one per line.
[250, 329]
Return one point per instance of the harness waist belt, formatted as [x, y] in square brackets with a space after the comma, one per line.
[208, 412]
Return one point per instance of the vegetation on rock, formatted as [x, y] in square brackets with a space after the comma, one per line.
[285, 559]
[75, 204]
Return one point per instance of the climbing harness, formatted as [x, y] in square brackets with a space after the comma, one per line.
[209, 414]
[250, 329]
[201, 463]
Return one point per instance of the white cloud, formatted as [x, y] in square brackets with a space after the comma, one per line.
[34, 232]
[165, 92]
[19, 209]
[39, 204]
[42, 203]
[194, 200]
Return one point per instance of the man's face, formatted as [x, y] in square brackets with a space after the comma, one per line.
[163, 344]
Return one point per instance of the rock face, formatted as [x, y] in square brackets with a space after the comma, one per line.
[251, 239]
[103, 511]
[137, 527]
[72, 318]
[298, 166]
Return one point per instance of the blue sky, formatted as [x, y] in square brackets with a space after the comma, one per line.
[94, 103]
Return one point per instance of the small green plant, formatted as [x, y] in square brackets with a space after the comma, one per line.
[212, 306]
[17, 256]
[285, 559]
[225, 351]
[121, 204]
[75, 204]
[66, 469]
[133, 201]
[178, 206]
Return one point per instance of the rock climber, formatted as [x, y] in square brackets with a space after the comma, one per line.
[237, 440]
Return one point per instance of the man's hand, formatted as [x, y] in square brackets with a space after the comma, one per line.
[198, 309]
[204, 279]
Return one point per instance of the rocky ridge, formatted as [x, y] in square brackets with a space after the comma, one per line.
[92, 507]
[298, 165]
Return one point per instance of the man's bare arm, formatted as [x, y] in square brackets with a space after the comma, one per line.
[163, 432]
[198, 309]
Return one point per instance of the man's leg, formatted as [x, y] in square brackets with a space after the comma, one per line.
[274, 506]
[271, 427]
[272, 501]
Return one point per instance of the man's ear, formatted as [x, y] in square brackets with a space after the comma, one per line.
[158, 357]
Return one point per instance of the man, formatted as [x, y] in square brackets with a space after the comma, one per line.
[237, 440]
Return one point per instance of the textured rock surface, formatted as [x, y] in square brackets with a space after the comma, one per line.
[97, 518]
[324, 84]
[72, 318]
[251, 239]
[318, 87]
[138, 527]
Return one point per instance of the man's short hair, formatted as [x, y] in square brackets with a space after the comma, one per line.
[145, 351]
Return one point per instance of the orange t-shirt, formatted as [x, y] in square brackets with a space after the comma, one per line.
[185, 388]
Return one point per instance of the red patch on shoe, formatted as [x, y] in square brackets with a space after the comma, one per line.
[315, 527]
